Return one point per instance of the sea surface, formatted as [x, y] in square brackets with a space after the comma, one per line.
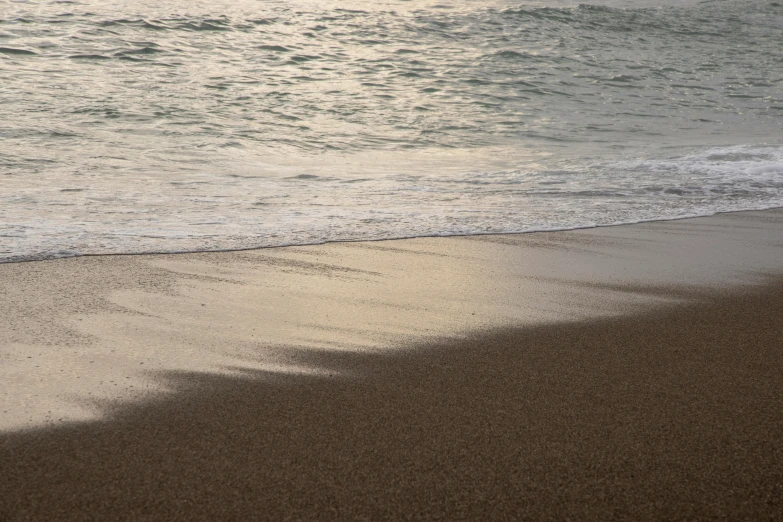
[179, 125]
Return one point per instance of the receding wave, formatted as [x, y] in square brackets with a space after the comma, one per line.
[239, 212]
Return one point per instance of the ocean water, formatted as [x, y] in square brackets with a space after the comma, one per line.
[178, 125]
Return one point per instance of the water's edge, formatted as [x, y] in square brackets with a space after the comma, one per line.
[33, 259]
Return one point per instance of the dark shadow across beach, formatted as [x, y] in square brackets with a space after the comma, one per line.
[671, 415]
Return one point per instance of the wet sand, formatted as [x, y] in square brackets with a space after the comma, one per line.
[621, 373]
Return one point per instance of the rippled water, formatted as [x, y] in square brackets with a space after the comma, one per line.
[179, 125]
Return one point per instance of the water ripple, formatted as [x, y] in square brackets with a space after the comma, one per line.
[131, 97]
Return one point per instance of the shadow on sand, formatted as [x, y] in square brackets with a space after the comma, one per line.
[671, 415]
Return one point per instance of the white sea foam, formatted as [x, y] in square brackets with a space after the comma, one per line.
[300, 206]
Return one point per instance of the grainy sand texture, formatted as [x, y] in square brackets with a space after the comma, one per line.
[628, 372]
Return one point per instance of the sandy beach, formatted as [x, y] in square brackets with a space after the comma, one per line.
[629, 372]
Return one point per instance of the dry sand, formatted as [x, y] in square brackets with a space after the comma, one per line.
[621, 373]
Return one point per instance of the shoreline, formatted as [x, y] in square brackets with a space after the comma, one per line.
[82, 328]
[628, 372]
[24, 259]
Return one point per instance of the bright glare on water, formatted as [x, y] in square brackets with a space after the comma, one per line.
[178, 125]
